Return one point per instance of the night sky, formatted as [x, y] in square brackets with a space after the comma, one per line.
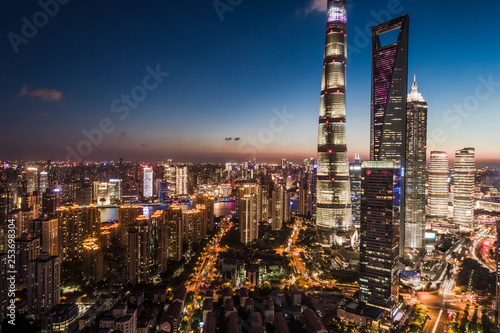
[229, 78]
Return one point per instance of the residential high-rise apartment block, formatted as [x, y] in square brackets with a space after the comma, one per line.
[173, 219]
[139, 251]
[249, 212]
[126, 217]
[115, 190]
[280, 207]
[388, 139]
[379, 233]
[76, 224]
[50, 236]
[27, 249]
[463, 185]
[93, 260]
[43, 284]
[416, 163]
[333, 192]
[439, 170]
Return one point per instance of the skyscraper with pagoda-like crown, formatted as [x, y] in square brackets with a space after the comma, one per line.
[333, 197]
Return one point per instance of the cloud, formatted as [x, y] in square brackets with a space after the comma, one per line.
[43, 94]
[237, 139]
[229, 139]
[144, 145]
[316, 6]
[43, 114]
[123, 134]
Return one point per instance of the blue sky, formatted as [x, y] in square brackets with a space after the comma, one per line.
[226, 77]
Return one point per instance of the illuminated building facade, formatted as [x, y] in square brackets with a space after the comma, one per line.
[463, 184]
[388, 139]
[173, 219]
[355, 175]
[249, 212]
[93, 260]
[280, 207]
[126, 217]
[50, 238]
[416, 162]
[147, 185]
[439, 169]
[333, 192]
[379, 233]
[115, 190]
[181, 178]
[139, 251]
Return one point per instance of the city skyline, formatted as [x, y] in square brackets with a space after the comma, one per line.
[55, 103]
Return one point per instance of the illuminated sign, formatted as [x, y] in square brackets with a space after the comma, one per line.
[430, 235]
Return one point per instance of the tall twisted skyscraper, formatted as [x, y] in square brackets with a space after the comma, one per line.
[388, 140]
[333, 197]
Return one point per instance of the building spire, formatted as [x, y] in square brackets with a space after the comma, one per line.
[415, 96]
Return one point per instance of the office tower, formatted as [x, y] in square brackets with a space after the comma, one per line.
[388, 101]
[416, 162]
[50, 240]
[93, 260]
[100, 194]
[170, 175]
[126, 217]
[31, 180]
[148, 182]
[43, 284]
[173, 219]
[379, 233]
[44, 182]
[439, 168]
[249, 213]
[49, 203]
[139, 251]
[115, 190]
[355, 175]
[27, 249]
[333, 197]
[463, 185]
[159, 242]
[304, 196]
[84, 196]
[181, 178]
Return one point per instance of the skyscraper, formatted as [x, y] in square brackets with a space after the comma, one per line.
[388, 101]
[148, 182]
[333, 197]
[43, 284]
[249, 212]
[465, 172]
[380, 218]
[139, 251]
[115, 190]
[439, 168]
[416, 162]
[181, 180]
[355, 175]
